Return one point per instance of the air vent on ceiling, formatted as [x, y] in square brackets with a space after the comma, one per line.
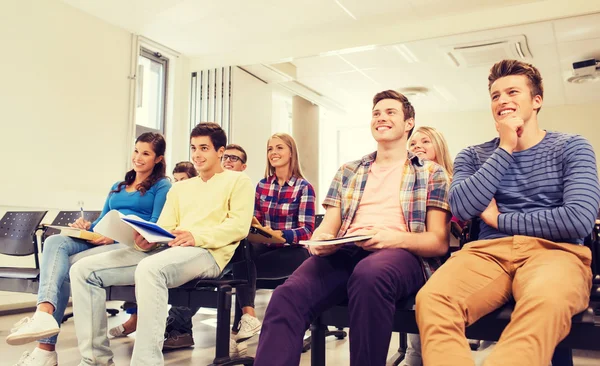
[488, 52]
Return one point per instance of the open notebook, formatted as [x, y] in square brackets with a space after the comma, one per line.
[120, 228]
[75, 232]
[336, 241]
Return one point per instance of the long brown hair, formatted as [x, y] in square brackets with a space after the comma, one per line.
[294, 161]
[442, 154]
[157, 141]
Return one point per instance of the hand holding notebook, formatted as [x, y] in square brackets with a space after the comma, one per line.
[121, 228]
[337, 241]
[264, 235]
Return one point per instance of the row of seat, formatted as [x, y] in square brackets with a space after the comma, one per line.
[18, 236]
[585, 331]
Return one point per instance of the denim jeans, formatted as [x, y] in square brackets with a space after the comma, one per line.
[152, 274]
[413, 351]
[54, 285]
[180, 319]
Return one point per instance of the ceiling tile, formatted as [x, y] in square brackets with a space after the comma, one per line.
[577, 28]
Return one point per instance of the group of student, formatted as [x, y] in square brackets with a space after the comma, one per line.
[535, 192]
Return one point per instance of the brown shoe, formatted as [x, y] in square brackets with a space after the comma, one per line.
[175, 340]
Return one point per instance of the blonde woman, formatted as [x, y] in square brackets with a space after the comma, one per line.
[428, 144]
[285, 203]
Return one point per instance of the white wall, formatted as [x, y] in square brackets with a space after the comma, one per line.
[468, 128]
[251, 113]
[65, 105]
[65, 133]
[462, 129]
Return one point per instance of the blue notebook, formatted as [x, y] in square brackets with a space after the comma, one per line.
[150, 226]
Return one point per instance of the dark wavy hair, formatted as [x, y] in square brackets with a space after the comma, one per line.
[213, 131]
[157, 141]
[187, 168]
[407, 107]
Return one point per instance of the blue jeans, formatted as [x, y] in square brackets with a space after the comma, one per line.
[54, 273]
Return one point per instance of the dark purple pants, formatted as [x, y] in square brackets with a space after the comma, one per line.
[371, 281]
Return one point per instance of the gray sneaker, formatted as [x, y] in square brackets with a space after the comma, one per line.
[249, 327]
[236, 349]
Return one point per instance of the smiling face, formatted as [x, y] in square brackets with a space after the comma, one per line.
[511, 96]
[387, 121]
[228, 160]
[421, 145]
[204, 156]
[144, 158]
[278, 153]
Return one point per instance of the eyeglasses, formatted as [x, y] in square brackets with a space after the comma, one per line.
[233, 158]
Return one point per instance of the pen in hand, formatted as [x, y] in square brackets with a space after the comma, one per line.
[81, 209]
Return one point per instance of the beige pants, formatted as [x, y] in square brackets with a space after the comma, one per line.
[549, 281]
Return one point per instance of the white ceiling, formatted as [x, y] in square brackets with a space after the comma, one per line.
[352, 78]
[205, 27]
[224, 32]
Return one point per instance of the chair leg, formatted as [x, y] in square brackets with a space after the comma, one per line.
[317, 335]
[562, 357]
[223, 323]
[66, 317]
[340, 333]
[398, 357]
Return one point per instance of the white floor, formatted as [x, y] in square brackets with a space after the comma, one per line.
[204, 336]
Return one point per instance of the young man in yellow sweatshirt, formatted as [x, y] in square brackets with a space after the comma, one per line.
[208, 215]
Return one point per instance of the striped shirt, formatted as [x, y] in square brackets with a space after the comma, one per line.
[289, 208]
[424, 184]
[549, 191]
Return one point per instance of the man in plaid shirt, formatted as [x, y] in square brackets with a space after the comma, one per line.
[392, 195]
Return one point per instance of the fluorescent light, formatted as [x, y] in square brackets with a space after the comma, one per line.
[345, 51]
[444, 93]
[406, 53]
[345, 9]
[357, 69]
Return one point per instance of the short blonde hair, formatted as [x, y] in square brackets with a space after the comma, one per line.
[442, 154]
[294, 161]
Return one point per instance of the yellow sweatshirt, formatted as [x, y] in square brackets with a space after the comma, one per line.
[218, 213]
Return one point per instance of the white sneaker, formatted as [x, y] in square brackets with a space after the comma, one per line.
[237, 350]
[41, 325]
[249, 326]
[38, 357]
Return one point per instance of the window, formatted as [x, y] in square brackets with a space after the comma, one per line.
[151, 92]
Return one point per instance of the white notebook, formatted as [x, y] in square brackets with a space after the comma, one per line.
[346, 239]
[120, 228]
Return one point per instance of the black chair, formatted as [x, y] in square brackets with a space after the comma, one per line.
[585, 330]
[210, 293]
[265, 282]
[18, 237]
[64, 218]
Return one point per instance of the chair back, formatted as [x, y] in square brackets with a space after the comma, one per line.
[470, 232]
[64, 218]
[318, 220]
[18, 232]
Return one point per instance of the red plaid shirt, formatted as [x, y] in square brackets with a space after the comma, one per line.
[289, 207]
